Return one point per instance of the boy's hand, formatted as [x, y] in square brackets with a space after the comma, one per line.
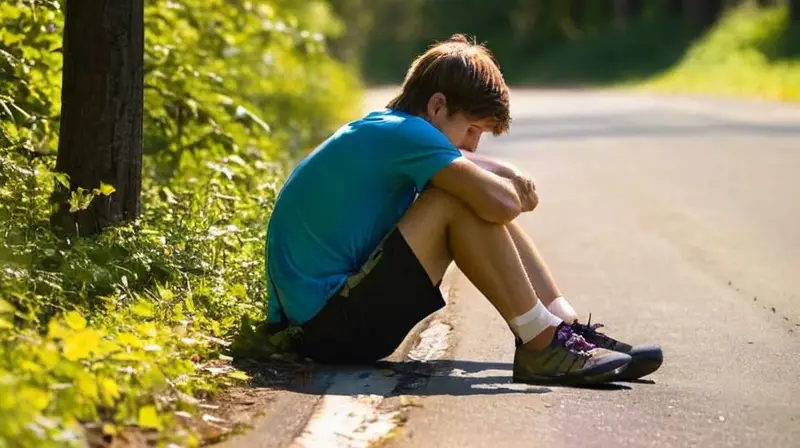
[526, 190]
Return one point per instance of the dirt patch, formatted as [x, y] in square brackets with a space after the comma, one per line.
[217, 418]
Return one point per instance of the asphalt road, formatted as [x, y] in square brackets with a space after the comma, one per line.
[672, 220]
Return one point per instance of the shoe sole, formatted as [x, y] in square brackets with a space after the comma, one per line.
[639, 368]
[583, 379]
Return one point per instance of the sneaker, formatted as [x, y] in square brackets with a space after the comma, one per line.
[569, 359]
[645, 359]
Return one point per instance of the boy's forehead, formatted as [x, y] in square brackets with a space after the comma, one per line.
[486, 124]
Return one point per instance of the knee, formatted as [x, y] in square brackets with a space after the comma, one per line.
[444, 201]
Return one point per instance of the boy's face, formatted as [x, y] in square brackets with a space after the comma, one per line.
[462, 131]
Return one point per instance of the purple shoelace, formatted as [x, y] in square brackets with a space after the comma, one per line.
[572, 340]
[590, 330]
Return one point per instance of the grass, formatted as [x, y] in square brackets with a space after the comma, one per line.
[749, 53]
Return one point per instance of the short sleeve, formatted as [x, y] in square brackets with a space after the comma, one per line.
[419, 151]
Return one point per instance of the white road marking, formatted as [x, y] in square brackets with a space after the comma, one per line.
[350, 413]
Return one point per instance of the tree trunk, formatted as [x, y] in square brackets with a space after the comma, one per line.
[621, 13]
[674, 7]
[794, 8]
[701, 14]
[101, 113]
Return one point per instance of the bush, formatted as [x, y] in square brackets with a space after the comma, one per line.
[116, 330]
[750, 52]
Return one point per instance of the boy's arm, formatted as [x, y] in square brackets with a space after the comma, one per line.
[502, 169]
[522, 184]
[490, 196]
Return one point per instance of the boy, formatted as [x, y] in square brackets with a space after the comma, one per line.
[366, 226]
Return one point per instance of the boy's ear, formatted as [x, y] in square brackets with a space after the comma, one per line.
[437, 104]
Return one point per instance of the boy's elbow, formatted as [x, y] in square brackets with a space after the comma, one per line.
[511, 209]
[504, 210]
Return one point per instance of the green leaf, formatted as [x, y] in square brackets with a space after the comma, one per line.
[63, 179]
[148, 417]
[75, 321]
[74, 202]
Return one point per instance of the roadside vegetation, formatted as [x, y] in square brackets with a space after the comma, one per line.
[750, 52]
[741, 48]
[130, 328]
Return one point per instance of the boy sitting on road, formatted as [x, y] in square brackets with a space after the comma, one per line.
[365, 227]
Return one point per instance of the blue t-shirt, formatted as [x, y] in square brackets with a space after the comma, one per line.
[340, 201]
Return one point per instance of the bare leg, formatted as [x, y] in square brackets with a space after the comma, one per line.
[538, 273]
[439, 229]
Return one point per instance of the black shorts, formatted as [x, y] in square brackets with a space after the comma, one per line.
[370, 316]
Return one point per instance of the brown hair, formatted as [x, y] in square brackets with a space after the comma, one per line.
[466, 73]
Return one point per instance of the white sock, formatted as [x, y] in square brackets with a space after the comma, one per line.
[533, 322]
[561, 308]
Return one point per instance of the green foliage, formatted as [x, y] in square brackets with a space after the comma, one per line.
[117, 330]
[30, 74]
[607, 55]
[750, 52]
[240, 77]
[523, 34]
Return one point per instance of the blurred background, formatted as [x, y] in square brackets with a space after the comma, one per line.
[710, 46]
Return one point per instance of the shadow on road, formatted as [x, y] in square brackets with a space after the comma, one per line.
[390, 378]
[636, 125]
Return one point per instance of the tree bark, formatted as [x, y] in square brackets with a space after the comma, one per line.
[701, 14]
[621, 13]
[794, 9]
[101, 113]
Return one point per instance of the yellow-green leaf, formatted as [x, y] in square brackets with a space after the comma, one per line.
[87, 386]
[143, 309]
[109, 390]
[79, 345]
[148, 417]
[6, 307]
[75, 320]
[129, 339]
[30, 367]
[63, 179]
[166, 294]
[57, 331]
[239, 375]
[4, 324]
[106, 189]
[128, 356]
[48, 355]
[34, 398]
